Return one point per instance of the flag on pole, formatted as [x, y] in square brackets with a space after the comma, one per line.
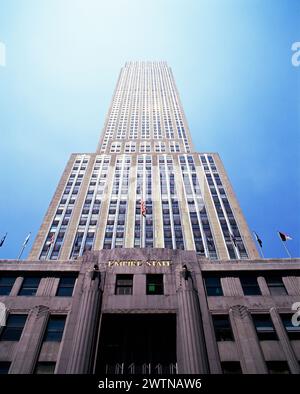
[284, 237]
[2, 240]
[143, 208]
[259, 241]
[26, 240]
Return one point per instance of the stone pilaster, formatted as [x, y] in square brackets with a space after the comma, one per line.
[30, 341]
[247, 343]
[191, 354]
[77, 355]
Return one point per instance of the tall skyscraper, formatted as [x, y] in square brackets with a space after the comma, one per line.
[144, 263]
[145, 159]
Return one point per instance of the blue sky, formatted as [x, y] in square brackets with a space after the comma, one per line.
[232, 64]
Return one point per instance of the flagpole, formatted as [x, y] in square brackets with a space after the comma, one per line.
[22, 250]
[286, 249]
[285, 236]
[260, 247]
[261, 252]
[24, 245]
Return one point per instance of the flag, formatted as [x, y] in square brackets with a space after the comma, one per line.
[26, 240]
[284, 237]
[233, 239]
[259, 241]
[2, 240]
[143, 208]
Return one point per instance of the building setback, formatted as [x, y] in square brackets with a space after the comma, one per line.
[144, 262]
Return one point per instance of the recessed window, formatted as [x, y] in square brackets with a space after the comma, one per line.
[231, 367]
[66, 286]
[29, 286]
[45, 368]
[14, 327]
[124, 284]
[292, 331]
[55, 329]
[264, 327]
[6, 284]
[222, 328]
[250, 285]
[213, 286]
[275, 285]
[4, 367]
[154, 284]
[278, 367]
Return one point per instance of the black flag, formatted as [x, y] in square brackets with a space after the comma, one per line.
[258, 239]
[284, 237]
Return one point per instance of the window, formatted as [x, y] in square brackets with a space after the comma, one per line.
[4, 367]
[222, 328]
[292, 331]
[276, 285]
[66, 286]
[6, 284]
[14, 327]
[124, 284]
[250, 285]
[154, 284]
[55, 329]
[278, 367]
[231, 367]
[213, 286]
[44, 368]
[264, 327]
[29, 286]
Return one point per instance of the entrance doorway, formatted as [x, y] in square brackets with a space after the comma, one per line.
[137, 344]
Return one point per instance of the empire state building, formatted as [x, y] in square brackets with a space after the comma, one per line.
[145, 157]
[144, 263]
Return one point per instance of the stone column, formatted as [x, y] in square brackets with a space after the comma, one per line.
[77, 356]
[191, 352]
[285, 342]
[30, 342]
[247, 343]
